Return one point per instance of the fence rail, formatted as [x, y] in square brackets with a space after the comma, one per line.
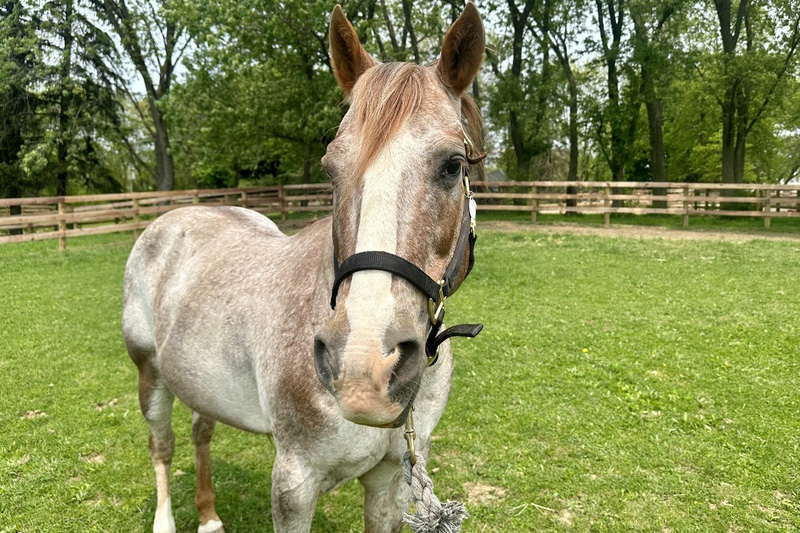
[60, 217]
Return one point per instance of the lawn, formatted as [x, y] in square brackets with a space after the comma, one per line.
[696, 222]
[619, 385]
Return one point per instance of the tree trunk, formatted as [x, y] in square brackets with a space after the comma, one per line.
[655, 107]
[572, 174]
[658, 166]
[307, 162]
[409, 27]
[742, 119]
[621, 132]
[521, 151]
[542, 142]
[729, 34]
[728, 140]
[165, 166]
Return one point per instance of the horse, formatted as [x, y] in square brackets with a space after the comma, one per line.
[231, 316]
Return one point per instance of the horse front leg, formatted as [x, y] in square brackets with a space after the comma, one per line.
[202, 431]
[295, 489]
[156, 402]
[386, 498]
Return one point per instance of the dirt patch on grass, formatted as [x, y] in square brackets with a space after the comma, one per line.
[94, 459]
[483, 493]
[30, 414]
[641, 232]
[564, 518]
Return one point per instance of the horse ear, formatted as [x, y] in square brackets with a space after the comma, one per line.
[348, 58]
[462, 50]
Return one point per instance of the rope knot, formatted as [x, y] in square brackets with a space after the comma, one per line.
[430, 516]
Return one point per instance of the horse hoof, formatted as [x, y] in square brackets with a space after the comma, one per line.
[212, 526]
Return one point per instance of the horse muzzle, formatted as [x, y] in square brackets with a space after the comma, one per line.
[372, 385]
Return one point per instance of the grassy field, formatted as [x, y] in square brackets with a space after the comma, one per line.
[703, 223]
[619, 385]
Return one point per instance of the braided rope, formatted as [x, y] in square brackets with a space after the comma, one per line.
[430, 516]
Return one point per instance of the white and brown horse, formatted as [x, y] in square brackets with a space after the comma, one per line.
[228, 314]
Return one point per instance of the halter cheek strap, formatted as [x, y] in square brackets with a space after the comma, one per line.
[437, 292]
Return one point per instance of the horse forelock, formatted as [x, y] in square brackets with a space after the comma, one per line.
[389, 94]
[383, 99]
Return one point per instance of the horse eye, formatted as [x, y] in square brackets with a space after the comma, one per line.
[453, 168]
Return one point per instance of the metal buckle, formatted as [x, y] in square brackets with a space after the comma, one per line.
[472, 206]
[472, 209]
[470, 147]
[435, 309]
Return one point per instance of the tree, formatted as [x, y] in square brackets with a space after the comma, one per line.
[20, 67]
[153, 38]
[79, 92]
[556, 31]
[652, 50]
[522, 95]
[755, 59]
[621, 112]
[259, 99]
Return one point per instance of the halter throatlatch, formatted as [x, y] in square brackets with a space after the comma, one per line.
[436, 291]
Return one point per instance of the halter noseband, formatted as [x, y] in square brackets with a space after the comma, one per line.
[436, 291]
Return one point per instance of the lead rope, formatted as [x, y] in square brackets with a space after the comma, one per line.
[430, 516]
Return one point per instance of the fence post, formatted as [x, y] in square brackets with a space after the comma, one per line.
[607, 205]
[137, 218]
[767, 207]
[195, 197]
[282, 202]
[244, 199]
[62, 225]
[685, 206]
[534, 203]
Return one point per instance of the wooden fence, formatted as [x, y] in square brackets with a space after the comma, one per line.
[28, 219]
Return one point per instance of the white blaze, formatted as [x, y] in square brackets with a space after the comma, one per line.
[370, 304]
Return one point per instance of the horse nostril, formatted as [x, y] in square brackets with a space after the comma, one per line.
[408, 367]
[326, 364]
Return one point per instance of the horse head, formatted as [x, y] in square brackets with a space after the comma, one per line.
[398, 169]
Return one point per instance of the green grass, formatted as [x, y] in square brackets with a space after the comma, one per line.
[619, 385]
[696, 222]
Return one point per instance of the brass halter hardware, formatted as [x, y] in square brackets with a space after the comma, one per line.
[435, 309]
[473, 155]
[410, 436]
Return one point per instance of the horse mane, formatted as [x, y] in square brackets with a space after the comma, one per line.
[388, 95]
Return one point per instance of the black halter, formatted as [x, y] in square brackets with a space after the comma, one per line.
[436, 292]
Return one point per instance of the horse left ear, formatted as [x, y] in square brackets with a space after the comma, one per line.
[462, 50]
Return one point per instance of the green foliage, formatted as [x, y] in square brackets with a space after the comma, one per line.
[259, 101]
[252, 99]
[21, 64]
[72, 106]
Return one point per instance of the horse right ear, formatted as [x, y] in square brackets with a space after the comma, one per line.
[348, 58]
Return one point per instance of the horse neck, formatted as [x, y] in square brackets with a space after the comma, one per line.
[314, 266]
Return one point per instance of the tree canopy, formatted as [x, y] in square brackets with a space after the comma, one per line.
[104, 95]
